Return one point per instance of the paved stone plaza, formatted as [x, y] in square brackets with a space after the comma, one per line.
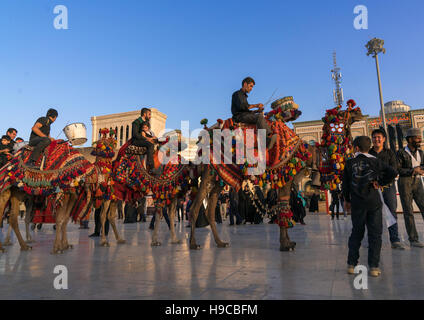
[252, 268]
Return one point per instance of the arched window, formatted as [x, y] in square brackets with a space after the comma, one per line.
[116, 133]
[127, 133]
[121, 134]
[110, 130]
[100, 133]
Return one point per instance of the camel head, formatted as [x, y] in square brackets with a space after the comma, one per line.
[105, 147]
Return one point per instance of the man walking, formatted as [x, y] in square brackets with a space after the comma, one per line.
[387, 156]
[410, 184]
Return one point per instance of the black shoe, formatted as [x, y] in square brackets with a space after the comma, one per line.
[231, 224]
[39, 226]
[31, 164]
[93, 235]
[151, 228]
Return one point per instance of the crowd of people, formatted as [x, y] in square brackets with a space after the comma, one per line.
[373, 168]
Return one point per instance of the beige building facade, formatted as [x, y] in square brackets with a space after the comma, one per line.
[121, 122]
[397, 113]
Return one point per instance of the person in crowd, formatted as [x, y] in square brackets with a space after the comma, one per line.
[234, 207]
[165, 215]
[387, 156]
[335, 203]
[313, 205]
[297, 204]
[222, 199]
[410, 162]
[188, 206]
[98, 224]
[5, 150]
[40, 136]
[362, 178]
[12, 132]
[145, 138]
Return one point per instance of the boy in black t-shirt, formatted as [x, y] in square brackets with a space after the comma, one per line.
[40, 136]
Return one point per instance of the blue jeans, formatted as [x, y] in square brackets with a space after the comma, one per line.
[389, 196]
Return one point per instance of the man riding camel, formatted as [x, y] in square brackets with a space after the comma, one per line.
[40, 136]
[240, 109]
[141, 140]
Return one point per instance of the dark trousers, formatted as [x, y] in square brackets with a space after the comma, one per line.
[234, 212]
[336, 208]
[165, 215]
[389, 196]
[150, 150]
[39, 144]
[411, 189]
[98, 223]
[254, 118]
[372, 219]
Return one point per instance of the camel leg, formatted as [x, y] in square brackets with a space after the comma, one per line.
[197, 203]
[212, 201]
[112, 222]
[103, 216]
[7, 241]
[158, 216]
[13, 219]
[28, 219]
[65, 245]
[285, 243]
[284, 196]
[60, 220]
[4, 198]
[172, 208]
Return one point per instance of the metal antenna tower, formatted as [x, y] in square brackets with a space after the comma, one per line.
[337, 77]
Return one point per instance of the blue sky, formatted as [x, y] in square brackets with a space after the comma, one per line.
[186, 57]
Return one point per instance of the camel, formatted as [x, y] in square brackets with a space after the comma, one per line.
[104, 196]
[134, 182]
[210, 187]
[66, 173]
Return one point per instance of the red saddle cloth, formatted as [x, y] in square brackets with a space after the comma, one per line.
[283, 150]
[63, 167]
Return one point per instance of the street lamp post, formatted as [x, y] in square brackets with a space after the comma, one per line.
[375, 46]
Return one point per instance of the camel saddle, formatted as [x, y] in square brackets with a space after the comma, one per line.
[134, 150]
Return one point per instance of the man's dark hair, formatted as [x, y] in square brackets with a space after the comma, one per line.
[6, 137]
[379, 131]
[363, 143]
[10, 130]
[248, 80]
[144, 111]
[52, 113]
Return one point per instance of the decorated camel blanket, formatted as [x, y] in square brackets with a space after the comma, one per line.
[288, 156]
[64, 168]
[132, 181]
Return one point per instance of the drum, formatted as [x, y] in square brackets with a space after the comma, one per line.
[76, 133]
[19, 145]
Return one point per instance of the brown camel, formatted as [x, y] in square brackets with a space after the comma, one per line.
[210, 188]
